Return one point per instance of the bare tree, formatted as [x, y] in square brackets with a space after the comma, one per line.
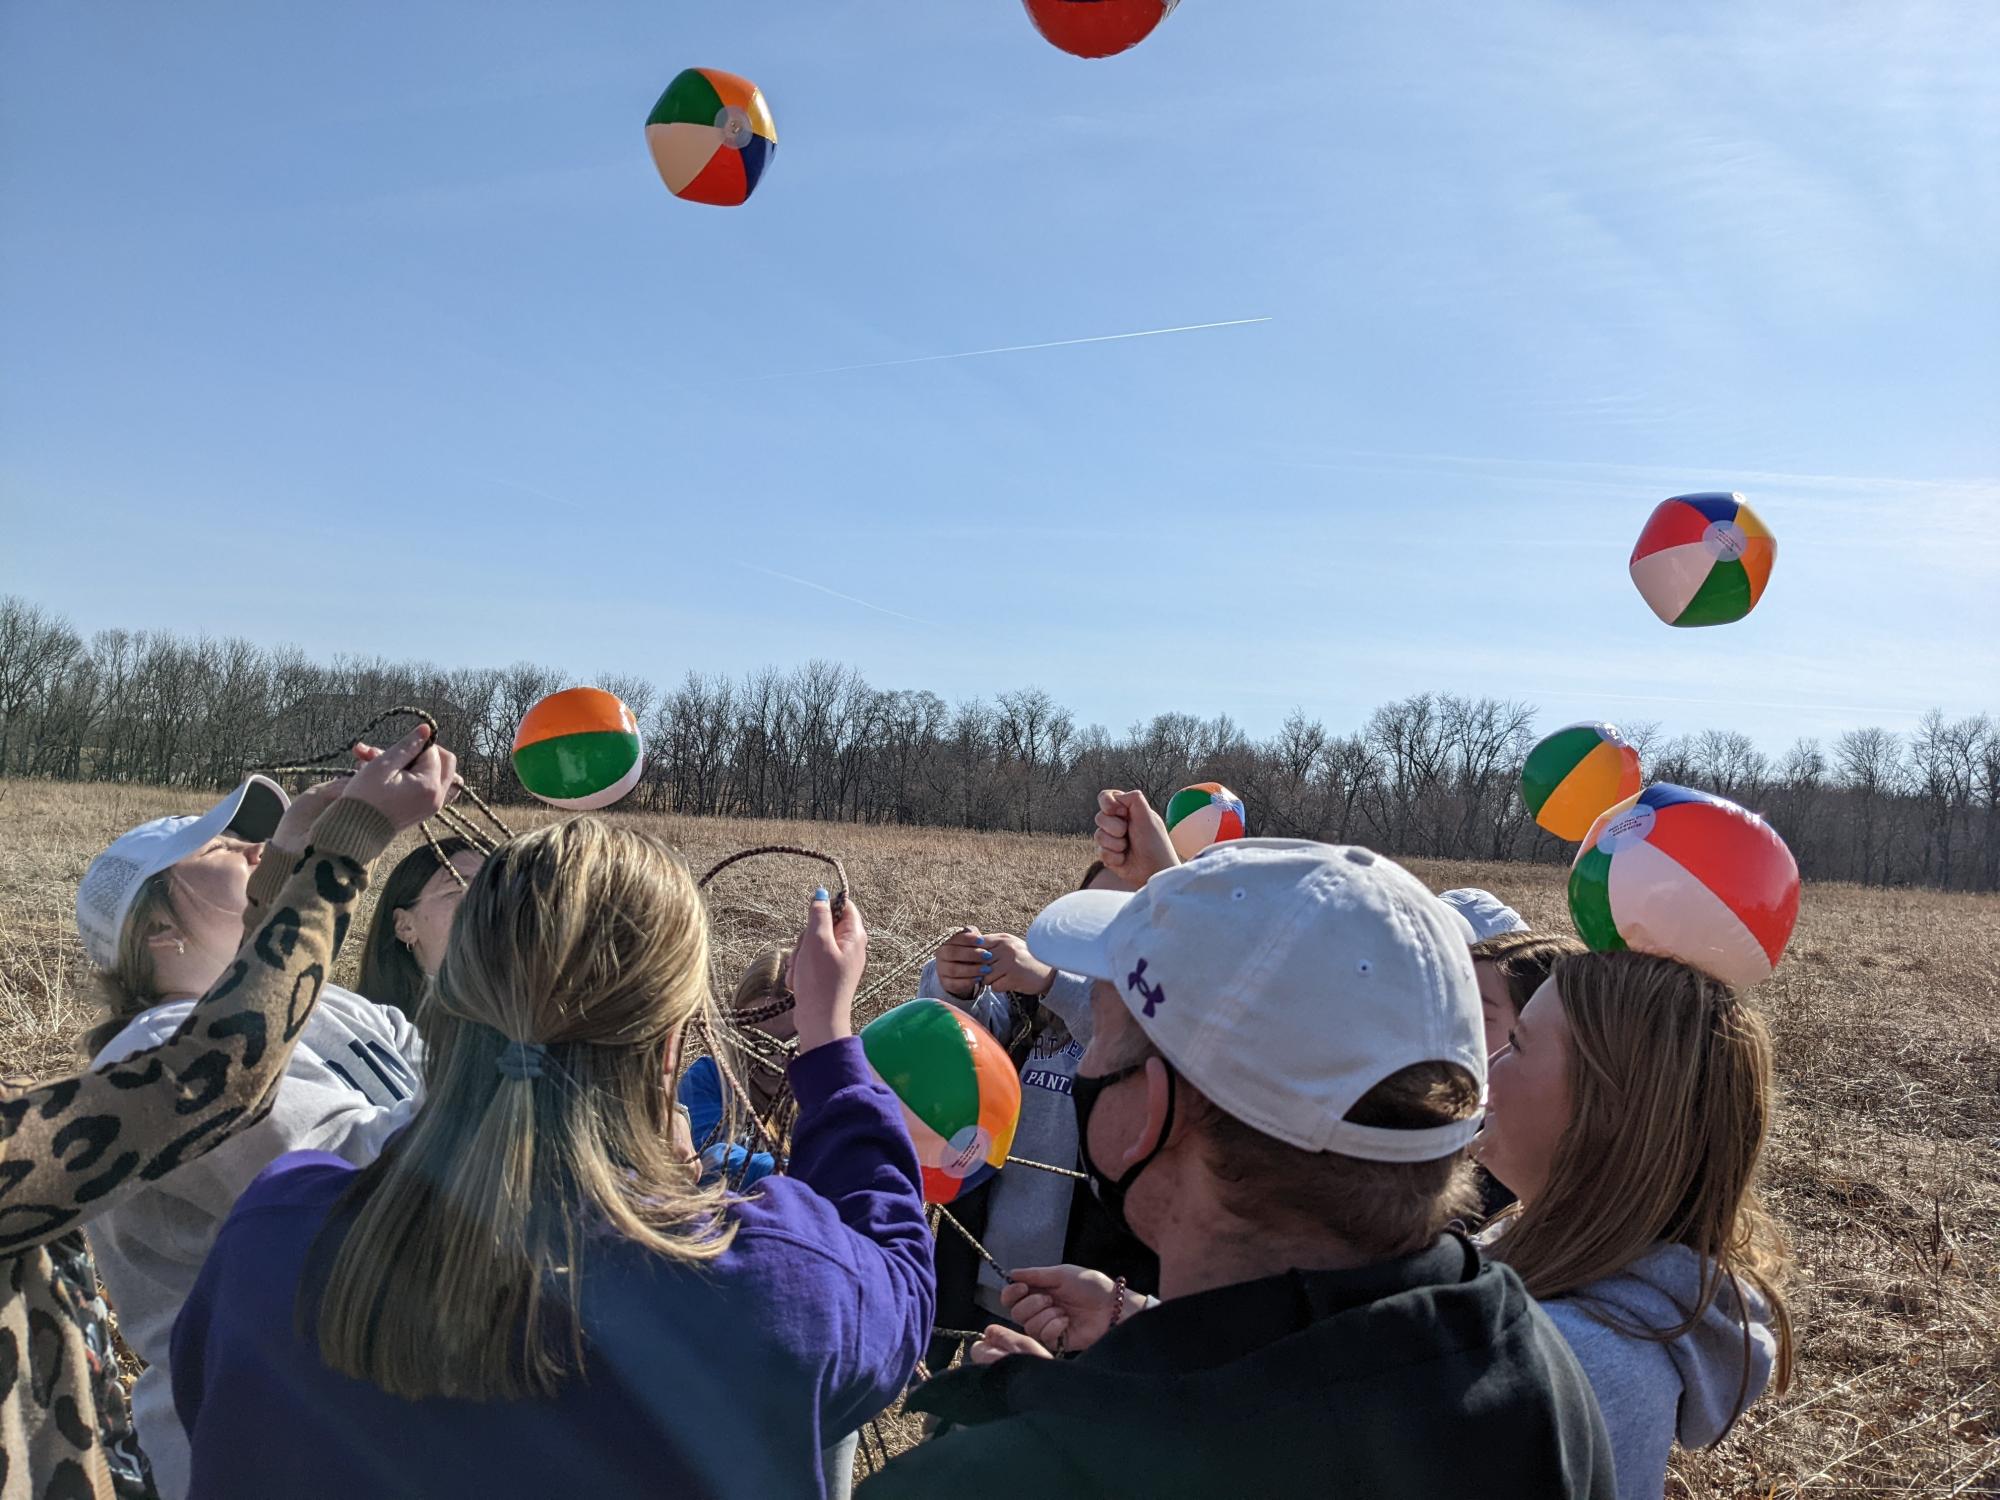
[1727, 763]
[1034, 734]
[1431, 774]
[1945, 766]
[1871, 763]
[35, 648]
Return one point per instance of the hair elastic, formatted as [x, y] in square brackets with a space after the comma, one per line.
[522, 1060]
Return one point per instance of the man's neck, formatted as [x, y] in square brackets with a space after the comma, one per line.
[1197, 1257]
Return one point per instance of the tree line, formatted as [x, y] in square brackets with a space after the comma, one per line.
[1435, 774]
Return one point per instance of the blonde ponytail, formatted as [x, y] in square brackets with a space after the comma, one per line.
[578, 954]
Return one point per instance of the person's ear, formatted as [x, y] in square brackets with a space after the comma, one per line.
[166, 936]
[1159, 1099]
[405, 925]
[672, 1066]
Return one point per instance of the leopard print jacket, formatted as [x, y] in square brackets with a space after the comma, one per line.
[75, 1147]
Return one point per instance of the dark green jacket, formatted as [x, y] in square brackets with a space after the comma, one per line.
[1433, 1375]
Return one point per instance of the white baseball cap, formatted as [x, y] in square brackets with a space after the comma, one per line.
[1485, 912]
[112, 882]
[1285, 979]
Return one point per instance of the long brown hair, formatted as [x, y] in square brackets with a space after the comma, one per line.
[1670, 1077]
[390, 973]
[462, 1261]
[1524, 959]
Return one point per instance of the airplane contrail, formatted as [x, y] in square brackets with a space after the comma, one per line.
[808, 583]
[927, 359]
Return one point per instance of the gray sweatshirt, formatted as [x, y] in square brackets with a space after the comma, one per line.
[351, 1084]
[1027, 1211]
[1651, 1393]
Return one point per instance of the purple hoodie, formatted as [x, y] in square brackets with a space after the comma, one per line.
[720, 1379]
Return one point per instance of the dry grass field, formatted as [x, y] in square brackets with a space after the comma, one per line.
[1885, 1167]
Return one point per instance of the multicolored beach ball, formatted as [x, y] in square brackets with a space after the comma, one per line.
[1098, 28]
[1203, 814]
[711, 136]
[1703, 559]
[1689, 876]
[960, 1094]
[579, 749]
[1575, 773]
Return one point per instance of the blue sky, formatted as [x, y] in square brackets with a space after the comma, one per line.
[371, 328]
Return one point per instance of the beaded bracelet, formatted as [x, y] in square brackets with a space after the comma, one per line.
[1118, 1302]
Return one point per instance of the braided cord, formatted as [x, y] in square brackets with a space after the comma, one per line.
[485, 840]
[915, 958]
[973, 1240]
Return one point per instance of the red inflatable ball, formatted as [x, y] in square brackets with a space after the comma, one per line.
[1097, 28]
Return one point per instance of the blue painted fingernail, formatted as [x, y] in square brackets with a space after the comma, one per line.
[820, 894]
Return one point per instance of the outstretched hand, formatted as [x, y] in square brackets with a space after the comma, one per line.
[826, 972]
[970, 959]
[999, 1341]
[1016, 971]
[294, 829]
[963, 963]
[1132, 839]
[407, 782]
[1061, 1307]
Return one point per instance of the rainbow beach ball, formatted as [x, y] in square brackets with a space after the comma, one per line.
[1203, 814]
[711, 136]
[960, 1094]
[1688, 876]
[1575, 773]
[579, 749]
[1703, 559]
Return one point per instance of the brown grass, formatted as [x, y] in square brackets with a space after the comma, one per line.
[1886, 1013]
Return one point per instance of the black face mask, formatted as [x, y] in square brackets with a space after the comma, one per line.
[1085, 1091]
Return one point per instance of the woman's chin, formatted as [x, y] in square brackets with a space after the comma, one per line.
[1485, 1145]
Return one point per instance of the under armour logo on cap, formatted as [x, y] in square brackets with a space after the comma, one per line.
[1155, 994]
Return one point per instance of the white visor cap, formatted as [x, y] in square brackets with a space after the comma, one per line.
[1484, 912]
[1285, 979]
[112, 882]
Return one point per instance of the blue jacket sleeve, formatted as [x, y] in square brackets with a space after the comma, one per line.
[701, 1095]
[189, 1341]
[850, 1146]
[740, 1166]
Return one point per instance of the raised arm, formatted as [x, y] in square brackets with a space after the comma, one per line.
[851, 1147]
[288, 843]
[75, 1147]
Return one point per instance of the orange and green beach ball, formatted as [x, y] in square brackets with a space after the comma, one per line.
[711, 136]
[1575, 773]
[579, 749]
[960, 1094]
